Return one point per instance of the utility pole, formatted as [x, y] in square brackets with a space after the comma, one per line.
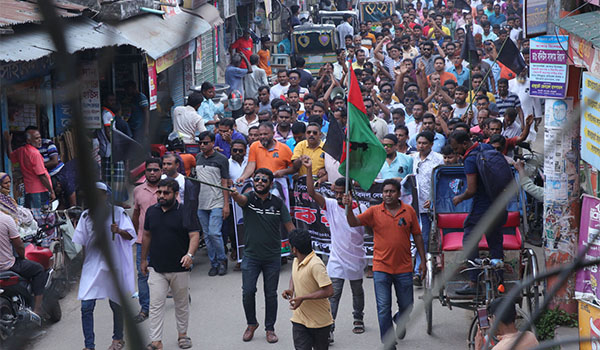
[561, 169]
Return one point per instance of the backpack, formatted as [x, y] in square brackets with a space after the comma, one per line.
[494, 170]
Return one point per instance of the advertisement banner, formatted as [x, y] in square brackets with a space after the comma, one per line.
[589, 326]
[152, 82]
[584, 54]
[586, 285]
[535, 13]
[174, 56]
[548, 66]
[590, 120]
[90, 95]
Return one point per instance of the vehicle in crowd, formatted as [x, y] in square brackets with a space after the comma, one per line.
[376, 10]
[336, 17]
[445, 251]
[316, 43]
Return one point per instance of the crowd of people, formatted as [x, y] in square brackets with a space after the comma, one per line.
[426, 104]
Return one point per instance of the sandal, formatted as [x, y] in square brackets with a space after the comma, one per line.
[119, 345]
[141, 317]
[152, 347]
[359, 327]
[184, 342]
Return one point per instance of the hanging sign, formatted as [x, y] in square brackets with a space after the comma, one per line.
[590, 120]
[152, 82]
[548, 66]
[90, 95]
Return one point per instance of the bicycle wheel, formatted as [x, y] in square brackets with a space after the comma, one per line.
[531, 293]
[472, 334]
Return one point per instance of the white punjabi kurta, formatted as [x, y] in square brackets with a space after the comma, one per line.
[96, 281]
[347, 256]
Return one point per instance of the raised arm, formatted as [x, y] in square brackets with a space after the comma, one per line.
[240, 199]
[310, 186]
[350, 217]
[525, 131]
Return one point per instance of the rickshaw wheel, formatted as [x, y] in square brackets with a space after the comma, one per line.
[428, 299]
[531, 293]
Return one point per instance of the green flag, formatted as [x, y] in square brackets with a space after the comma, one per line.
[366, 152]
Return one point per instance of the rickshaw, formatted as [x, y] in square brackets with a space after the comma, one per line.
[445, 249]
[376, 10]
[337, 17]
[316, 43]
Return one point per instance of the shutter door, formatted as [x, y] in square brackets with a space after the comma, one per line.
[176, 83]
[207, 73]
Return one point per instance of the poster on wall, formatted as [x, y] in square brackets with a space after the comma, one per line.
[535, 13]
[90, 95]
[590, 120]
[152, 82]
[548, 66]
[586, 285]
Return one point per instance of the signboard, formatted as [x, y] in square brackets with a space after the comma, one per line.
[548, 66]
[584, 54]
[152, 82]
[586, 285]
[170, 7]
[535, 13]
[198, 67]
[589, 326]
[590, 120]
[90, 95]
[174, 56]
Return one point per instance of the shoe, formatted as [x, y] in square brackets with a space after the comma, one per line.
[467, 289]
[222, 269]
[330, 338]
[237, 267]
[369, 273]
[402, 334]
[141, 317]
[272, 337]
[417, 282]
[249, 333]
[213, 271]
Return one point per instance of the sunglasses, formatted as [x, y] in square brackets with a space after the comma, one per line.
[386, 90]
[312, 132]
[164, 192]
[204, 142]
[238, 150]
[261, 179]
[153, 170]
[368, 106]
[409, 100]
[387, 145]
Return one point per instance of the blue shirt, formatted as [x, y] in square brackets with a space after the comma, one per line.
[207, 111]
[496, 19]
[136, 120]
[291, 143]
[481, 201]
[401, 166]
[221, 143]
[462, 77]
[439, 141]
[233, 78]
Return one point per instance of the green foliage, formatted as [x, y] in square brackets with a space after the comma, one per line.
[550, 319]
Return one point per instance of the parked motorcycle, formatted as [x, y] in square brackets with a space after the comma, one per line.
[16, 298]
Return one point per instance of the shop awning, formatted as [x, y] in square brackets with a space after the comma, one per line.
[209, 13]
[586, 26]
[157, 36]
[31, 42]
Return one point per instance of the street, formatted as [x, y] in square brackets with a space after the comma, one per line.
[217, 319]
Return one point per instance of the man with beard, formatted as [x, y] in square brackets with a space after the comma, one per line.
[439, 67]
[294, 79]
[414, 126]
[252, 135]
[529, 104]
[284, 123]
[264, 214]
[424, 161]
[264, 99]
[397, 165]
[311, 148]
[170, 165]
[378, 125]
[268, 153]
[293, 100]
[393, 223]
[225, 136]
[282, 86]
[144, 196]
[460, 105]
[250, 118]
[213, 206]
[170, 240]
[428, 124]
[426, 57]
[347, 259]
[506, 99]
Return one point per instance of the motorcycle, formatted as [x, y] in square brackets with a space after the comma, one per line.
[16, 298]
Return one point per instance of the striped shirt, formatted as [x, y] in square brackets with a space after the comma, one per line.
[503, 104]
[49, 150]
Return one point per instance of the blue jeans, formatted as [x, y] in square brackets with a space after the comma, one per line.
[143, 289]
[251, 268]
[87, 321]
[403, 286]
[212, 221]
[425, 229]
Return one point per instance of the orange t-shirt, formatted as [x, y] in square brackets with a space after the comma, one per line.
[443, 77]
[277, 158]
[391, 237]
[264, 60]
[189, 161]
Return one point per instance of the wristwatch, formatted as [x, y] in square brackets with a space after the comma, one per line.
[190, 255]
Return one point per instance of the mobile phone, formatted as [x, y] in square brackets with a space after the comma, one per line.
[482, 316]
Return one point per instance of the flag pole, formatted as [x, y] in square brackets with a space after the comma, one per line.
[347, 182]
[470, 108]
[112, 174]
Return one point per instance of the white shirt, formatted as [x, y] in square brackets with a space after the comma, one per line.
[243, 125]
[278, 90]
[331, 167]
[347, 256]
[514, 34]
[254, 80]
[342, 30]
[186, 121]
[413, 128]
[513, 130]
[379, 127]
[338, 71]
[529, 105]
[236, 169]
[96, 281]
[459, 111]
[423, 170]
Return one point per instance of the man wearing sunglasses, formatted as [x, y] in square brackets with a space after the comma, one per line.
[311, 148]
[264, 215]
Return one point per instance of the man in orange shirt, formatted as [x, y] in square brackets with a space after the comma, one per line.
[264, 55]
[244, 46]
[268, 153]
[392, 222]
[439, 65]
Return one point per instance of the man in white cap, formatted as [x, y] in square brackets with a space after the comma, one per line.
[96, 282]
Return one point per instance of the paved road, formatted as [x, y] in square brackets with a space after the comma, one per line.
[217, 320]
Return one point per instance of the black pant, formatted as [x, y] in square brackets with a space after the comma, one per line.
[33, 272]
[310, 338]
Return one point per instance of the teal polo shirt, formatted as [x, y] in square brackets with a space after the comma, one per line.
[401, 166]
